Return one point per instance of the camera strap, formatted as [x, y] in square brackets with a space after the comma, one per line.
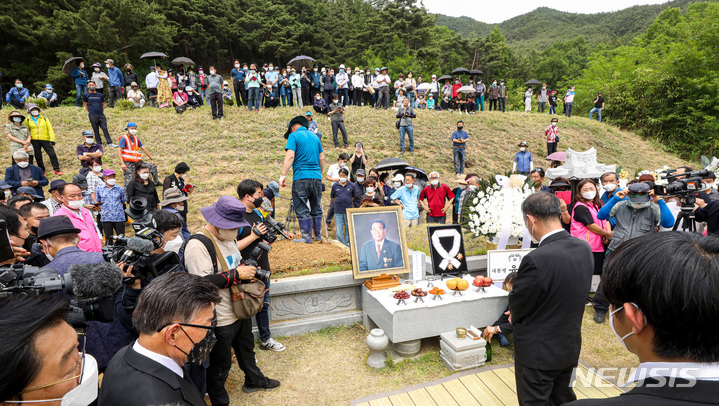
[209, 246]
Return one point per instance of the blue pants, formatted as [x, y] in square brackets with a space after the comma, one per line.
[344, 96]
[480, 103]
[80, 89]
[254, 98]
[341, 229]
[598, 110]
[263, 317]
[203, 94]
[459, 154]
[285, 100]
[568, 109]
[552, 109]
[409, 131]
[304, 190]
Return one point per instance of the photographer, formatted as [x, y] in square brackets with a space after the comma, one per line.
[250, 193]
[707, 212]
[405, 114]
[224, 219]
[39, 354]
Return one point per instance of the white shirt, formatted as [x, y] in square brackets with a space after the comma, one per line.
[383, 80]
[548, 234]
[681, 370]
[163, 360]
[151, 80]
[334, 171]
[435, 87]
[381, 244]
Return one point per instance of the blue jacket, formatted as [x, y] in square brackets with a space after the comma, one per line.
[16, 94]
[116, 77]
[238, 74]
[12, 177]
[77, 75]
[315, 79]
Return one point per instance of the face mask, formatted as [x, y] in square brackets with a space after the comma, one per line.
[89, 140]
[111, 182]
[409, 76]
[8, 194]
[434, 182]
[335, 101]
[589, 195]
[212, 72]
[227, 235]
[255, 202]
[97, 168]
[133, 132]
[531, 233]
[35, 113]
[409, 185]
[315, 69]
[609, 187]
[317, 98]
[97, 69]
[366, 73]
[201, 349]
[19, 85]
[554, 124]
[370, 189]
[343, 180]
[82, 65]
[360, 179]
[107, 65]
[522, 149]
[237, 66]
[638, 206]
[91, 88]
[460, 128]
[456, 81]
[23, 164]
[397, 185]
[462, 187]
[17, 119]
[75, 204]
[129, 70]
[342, 71]
[611, 325]
[472, 188]
[144, 176]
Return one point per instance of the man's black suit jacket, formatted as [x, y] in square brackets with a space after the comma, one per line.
[390, 256]
[132, 379]
[702, 393]
[547, 302]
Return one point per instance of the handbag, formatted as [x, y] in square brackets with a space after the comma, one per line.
[397, 123]
[247, 298]
[370, 89]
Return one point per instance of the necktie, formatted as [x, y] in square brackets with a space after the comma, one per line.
[378, 251]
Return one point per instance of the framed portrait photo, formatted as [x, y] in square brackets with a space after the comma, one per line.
[377, 241]
[446, 246]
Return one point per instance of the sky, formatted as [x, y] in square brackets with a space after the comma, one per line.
[493, 11]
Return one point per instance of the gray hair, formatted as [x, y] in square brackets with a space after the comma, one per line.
[434, 173]
[175, 297]
[616, 177]
[20, 154]
[62, 239]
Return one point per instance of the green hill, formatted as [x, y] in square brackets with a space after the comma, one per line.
[544, 26]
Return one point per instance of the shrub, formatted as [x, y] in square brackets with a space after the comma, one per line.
[70, 99]
[39, 102]
[125, 105]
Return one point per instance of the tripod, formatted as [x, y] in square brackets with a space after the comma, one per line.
[292, 217]
[686, 215]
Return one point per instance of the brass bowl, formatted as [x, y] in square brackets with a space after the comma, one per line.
[461, 333]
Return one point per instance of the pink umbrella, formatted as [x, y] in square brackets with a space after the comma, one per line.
[557, 156]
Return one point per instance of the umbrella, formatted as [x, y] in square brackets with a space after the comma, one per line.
[557, 156]
[466, 89]
[476, 72]
[153, 55]
[424, 86]
[183, 61]
[420, 173]
[70, 64]
[533, 82]
[445, 77]
[389, 164]
[460, 71]
[302, 60]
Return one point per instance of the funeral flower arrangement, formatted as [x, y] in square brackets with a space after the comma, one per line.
[496, 202]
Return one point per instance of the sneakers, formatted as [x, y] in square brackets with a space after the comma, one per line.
[58, 172]
[272, 345]
[111, 145]
[599, 317]
[265, 384]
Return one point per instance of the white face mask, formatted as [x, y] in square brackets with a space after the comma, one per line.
[212, 72]
[107, 65]
[8, 194]
[589, 195]
[409, 185]
[111, 182]
[132, 131]
[144, 176]
[23, 164]
[611, 325]
[227, 235]
[83, 394]
[531, 233]
[462, 187]
[609, 187]
[75, 204]
[370, 189]
[472, 188]
[523, 149]
[434, 182]
[35, 113]
[360, 179]
[237, 66]
[397, 185]
[97, 168]
[343, 180]
[89, 141]
[638, 206]
[180, 208]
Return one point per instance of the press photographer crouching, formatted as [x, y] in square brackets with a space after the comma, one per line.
[213, 254]
[175, 319]
[39, 354]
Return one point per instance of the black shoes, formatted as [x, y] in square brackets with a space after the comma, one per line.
[265, 384]
[599, 317]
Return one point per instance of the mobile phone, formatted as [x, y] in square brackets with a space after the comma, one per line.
[6, 251]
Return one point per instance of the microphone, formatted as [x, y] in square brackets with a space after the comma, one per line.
[95, 280]
[266, 205]
[136, 246]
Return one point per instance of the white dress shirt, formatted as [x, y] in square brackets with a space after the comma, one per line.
[163, 360]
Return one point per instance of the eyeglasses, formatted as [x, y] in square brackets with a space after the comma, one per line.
[211, 327]
[80, 365]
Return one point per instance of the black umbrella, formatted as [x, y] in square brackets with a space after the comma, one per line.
[420, 173]
[153, 56]
[460, 71]
[533, 82]
[302, 60]
[70, 64]
[183, 61]
[445, 77]
[476, 72]
[389, 164]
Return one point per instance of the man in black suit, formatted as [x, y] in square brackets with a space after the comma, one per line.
[664, 304]
[546, 305]
[175, 319]
[380, 253]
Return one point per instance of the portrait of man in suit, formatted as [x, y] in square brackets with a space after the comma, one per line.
[379, 252]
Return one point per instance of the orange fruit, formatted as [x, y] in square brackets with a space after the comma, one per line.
[452, 284]
[462, 285]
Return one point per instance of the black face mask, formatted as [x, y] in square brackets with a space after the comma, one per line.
[257, 202]
[201, 349]
[460, 128]
[33, 230]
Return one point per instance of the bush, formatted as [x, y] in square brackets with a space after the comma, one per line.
[70, 99]
[125, 105]
[39, 102]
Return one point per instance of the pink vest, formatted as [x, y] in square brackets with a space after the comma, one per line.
[90, 240]
[580, 231]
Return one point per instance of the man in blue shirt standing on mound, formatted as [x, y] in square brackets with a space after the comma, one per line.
[307, 158]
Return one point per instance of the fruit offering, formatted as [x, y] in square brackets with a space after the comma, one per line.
[401, 295]
[482, 281]
[457, 284]
[436, 291]
[487, 282]
[419, 292]
[462, 284]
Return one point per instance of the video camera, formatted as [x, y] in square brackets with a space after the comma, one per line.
[90, 287]
[690, 184]
[273, 227]
[137, 251]
[253, 261]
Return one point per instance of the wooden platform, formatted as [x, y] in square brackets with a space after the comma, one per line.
[483, 386]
